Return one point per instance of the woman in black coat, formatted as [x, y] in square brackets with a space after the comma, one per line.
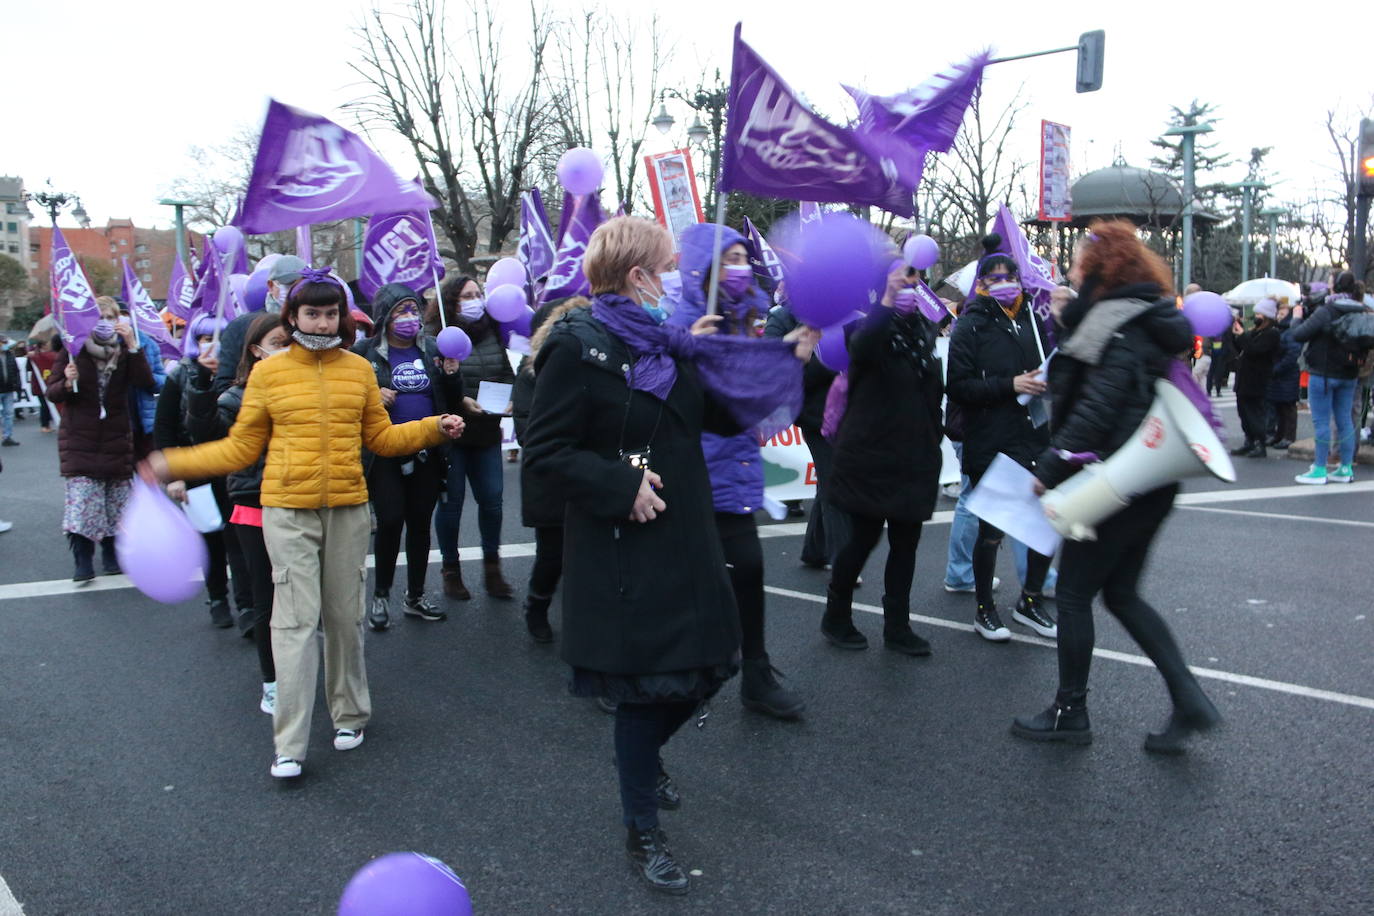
[649, 618]
[887, 463]
[1118, 338]
[994, 358]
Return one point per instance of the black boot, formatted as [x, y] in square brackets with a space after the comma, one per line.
[760, 691]
[837, 625]
[665, 790]
[1193, 712]
[109, 563]
[1242, 451]
[1066, 720]
[649, 853]
[83, 552]
[537, 617]
[897, 632]
[220, 613]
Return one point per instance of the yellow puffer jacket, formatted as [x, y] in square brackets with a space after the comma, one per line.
[313, 412]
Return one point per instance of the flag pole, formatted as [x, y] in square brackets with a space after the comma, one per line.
[434, 272]
[714, 293]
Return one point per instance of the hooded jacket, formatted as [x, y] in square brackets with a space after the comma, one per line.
[1324, 355]
[733, 462]
[1284, 380]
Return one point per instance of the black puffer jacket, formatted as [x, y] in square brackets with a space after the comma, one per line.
[1258, 349]
[1323, 354]
[816, 377]
[210, 415]
[487, 363]
[1103, 377]
[986, 353]
[172, 424]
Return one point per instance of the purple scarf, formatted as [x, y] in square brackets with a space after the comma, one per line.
[758, 380]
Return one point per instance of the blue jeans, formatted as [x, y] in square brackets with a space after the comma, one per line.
[963, 532]
[7, 413]
[1332, 398]
[480, 467]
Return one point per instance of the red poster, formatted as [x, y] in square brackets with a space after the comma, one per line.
[673, 182]
[1055, 200]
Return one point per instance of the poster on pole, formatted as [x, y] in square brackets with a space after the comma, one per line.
[673, 182]
[1056, 204]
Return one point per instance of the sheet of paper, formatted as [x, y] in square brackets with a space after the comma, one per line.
[493, 397]
[202, 510]
[1024, 399]
[1004, 498]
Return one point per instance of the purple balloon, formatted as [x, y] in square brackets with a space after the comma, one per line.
[921, 252]
[832, 350]
[255, 290]
[838, 259]
[454, 343]
[506, 271]
[1208, 313]
[405, 884]
[520, 324]
[227, 239]
[505, 303]
[580, 170]
[158, 548]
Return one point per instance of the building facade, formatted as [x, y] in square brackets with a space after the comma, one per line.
[151, 252]
[14, 221]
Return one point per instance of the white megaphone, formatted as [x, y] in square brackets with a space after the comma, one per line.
[1175, 441]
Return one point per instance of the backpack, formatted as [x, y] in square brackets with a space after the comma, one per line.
[1354, 331]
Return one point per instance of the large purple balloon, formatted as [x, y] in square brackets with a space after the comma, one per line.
[454, 343]
[838, 259]
[1208, 313]
[506, 271]
[227, 239]
[405, 884]
[520, 324]
[832, 350]
[505, 303]
[921, 252]
[580, 170]
[158, 548]
[255, 290]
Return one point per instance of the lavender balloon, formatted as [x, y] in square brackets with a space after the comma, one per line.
[1208, 313]
[454, 343]
[921, 252]
[158, 548]
[520, 324]
[505, 303]
[832, 350]
[834, 266]
[227, 239]
[506, 271]
[238, 284]
[405, 884]
[580, 171]
[255, 290]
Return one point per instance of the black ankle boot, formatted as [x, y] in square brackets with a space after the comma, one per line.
[760, 691]
[537, 617]
[897, 632]
[1066, 720]
[837, 626]
[83, 553]
[649, 853]
[109, 563]
[665, 790]
[1193, 712]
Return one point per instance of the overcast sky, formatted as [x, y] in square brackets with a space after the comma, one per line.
[105, 99]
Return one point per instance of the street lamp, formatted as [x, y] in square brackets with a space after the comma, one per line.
[1248, 187]
[1187, 134]
[712, 103]
[1272, 214]
[180, 224]
[54, 201]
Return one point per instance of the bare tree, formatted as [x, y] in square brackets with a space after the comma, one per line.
[217, 179]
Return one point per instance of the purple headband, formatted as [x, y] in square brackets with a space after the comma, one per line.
[320, 275]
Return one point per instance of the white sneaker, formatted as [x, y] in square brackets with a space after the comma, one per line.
[346, 739]
[285, 767]
[268, 704]
[5, 526]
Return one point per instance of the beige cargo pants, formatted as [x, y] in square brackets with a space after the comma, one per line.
[319, 571]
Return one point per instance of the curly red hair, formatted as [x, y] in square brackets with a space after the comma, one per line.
[1113, 255]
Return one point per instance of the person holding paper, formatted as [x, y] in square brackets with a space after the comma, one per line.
[415, 382]
[1119, 336]
[995, 354]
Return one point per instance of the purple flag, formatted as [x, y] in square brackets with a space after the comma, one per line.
[212, 296]
[142, 308]
[768, 261]
[581, 215]
[809, 211]
[1033, 278]
[399, 248]
[776, 146]
[929, 303]
[927, 117]
[536, 249]
[305, 246]
[73, 303]
[181, 290]
[310, 170]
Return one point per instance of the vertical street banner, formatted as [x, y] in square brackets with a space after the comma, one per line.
[673, 182]
[1056, 204]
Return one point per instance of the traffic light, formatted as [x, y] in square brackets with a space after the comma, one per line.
[1365, 163]
[1090, 48]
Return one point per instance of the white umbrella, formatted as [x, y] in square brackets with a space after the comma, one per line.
[1252, 291]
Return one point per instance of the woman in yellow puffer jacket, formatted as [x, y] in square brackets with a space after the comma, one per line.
[313, 407]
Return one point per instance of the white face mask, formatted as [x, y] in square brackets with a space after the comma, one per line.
[472, 309]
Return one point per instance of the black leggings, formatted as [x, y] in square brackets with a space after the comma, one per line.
[985, 564]
[739, 538]
[406, 501]
[548, 562]
[641, 729]
[260, 577]
[1112, 565]
[902, 540]
[1252, 409]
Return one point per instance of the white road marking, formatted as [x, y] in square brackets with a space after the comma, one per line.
[1329, 696]
[8, 905]
[1284, 517]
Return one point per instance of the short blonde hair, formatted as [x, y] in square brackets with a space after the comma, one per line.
[618, 246]
[107, 303]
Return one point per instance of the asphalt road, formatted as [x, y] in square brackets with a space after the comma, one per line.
[133, 759]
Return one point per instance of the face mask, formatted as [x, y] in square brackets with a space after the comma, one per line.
[6, 345]
[653, 304]
[272, 303]
[1005, 293]
[904, 301]
[406, 328]
[736, 280]
[103, 331]
[316, 342]
[778, 297]
[471, 309]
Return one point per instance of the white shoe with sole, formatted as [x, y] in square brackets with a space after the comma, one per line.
[268, 703]
[346, 739]
[285, 767]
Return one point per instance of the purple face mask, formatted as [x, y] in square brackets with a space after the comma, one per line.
[103, 331]
[1005, 293]
[735, 280]
[406, 328]
[904, 300]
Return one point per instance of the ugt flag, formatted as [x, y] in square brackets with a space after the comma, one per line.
[181, 290]
[73, 303]
[399, 248]
[212, 296]
[536, 249]
[1034, 278]
[581, 215]
[776, 146]
[927, 117]
[767, 264]
[309, 170]
[142, 308]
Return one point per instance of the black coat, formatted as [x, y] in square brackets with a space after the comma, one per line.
[1284, 381]
[87, 444]
[986, 353]
[816, 377]
[172, 425]
[1102, 380]
[887, 449]
[486, 363]
[1323, 354]
[1257, 349]
[10, 382]
[541, 500]
[638, 599]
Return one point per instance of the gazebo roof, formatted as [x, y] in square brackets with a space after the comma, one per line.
[1125, 192]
